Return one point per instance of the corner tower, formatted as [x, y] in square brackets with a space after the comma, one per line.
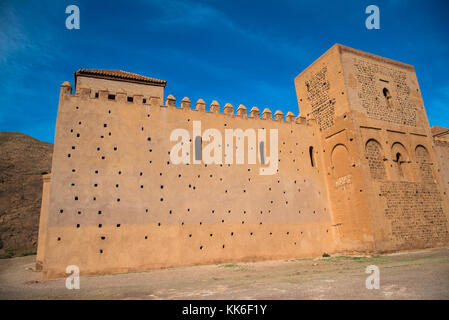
[382, 173]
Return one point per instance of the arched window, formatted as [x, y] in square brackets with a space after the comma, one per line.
[400, 161]
[387, 96]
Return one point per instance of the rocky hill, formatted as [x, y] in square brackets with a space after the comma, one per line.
[23, 159]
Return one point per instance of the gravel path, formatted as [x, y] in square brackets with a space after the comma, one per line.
[411, 275]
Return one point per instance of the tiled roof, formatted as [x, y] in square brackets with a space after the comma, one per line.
[437, 130]
[119, 75]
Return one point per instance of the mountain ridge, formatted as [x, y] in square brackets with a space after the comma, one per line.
[23, 160]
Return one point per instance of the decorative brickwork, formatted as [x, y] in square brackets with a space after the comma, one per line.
[318, 95]
[384, 93]
[415, 212]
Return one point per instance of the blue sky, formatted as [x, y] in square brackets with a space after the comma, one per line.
[241, 52]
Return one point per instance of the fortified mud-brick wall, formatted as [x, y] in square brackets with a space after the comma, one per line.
[117, 203]
[408, 203]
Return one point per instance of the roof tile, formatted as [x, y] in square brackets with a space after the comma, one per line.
[120, 75]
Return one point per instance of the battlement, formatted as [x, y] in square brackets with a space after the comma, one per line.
[85, 92]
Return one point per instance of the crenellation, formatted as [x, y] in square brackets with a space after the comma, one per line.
[228, 109]
[241, 111]
[267, 114]
[120, 96]
[300, 119]
[66, 88]
[254, 112]
[200, 105]
[290, 117]
[170, 101]
[185, 103]
[214, 106]
[279, 115]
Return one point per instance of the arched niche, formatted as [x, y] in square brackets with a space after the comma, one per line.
[424, 164]
[340, 161]
[375, 156]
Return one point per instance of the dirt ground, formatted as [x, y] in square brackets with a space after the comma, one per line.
[410, 275]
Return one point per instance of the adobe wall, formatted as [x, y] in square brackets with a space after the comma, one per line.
[118, 204]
